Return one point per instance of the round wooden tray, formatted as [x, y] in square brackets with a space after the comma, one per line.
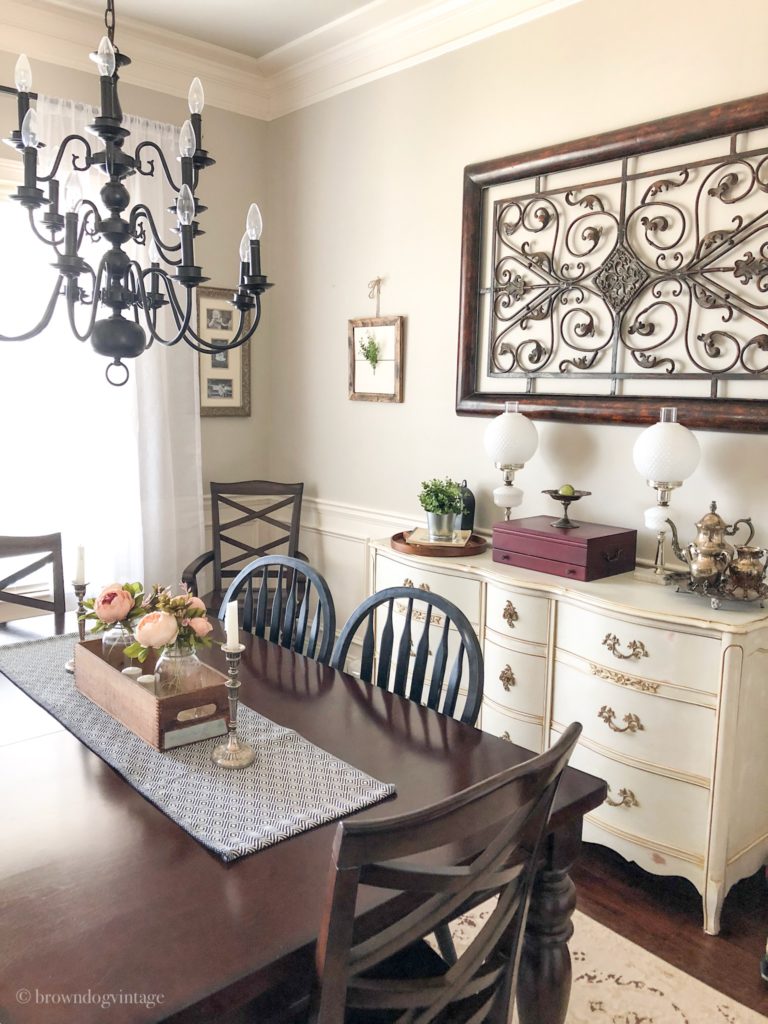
[474, 546]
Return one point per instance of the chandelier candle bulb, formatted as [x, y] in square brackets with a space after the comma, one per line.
[232, 625]
[196, 97]
[22, 78]
[104, 58]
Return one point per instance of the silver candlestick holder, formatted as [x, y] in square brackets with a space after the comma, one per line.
[80, 589]
[234, 753]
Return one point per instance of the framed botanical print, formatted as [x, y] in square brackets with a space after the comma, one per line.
[225, 375]
[376, 359]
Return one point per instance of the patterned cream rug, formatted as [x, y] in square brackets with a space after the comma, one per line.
[617, 982]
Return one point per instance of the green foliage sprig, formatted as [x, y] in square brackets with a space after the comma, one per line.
[442, 496]
[370, 350]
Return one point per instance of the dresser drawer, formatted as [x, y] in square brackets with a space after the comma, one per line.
[522, 731]
[516, 615]
[462, 591]
[654, 652]
[639, 726]
[653, 808]
[515, 680]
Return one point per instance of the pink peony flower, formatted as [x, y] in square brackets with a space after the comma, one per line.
[113, 603]
[195, 602]
[156, 629]
[200, 626]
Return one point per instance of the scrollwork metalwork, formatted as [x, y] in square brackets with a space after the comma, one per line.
[635, 275]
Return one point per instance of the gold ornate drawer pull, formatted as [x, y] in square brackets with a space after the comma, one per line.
[631, 722]
[422, 586]
[626, 799]
[510, 615]
[507, 678]
[623, 679]
[636, 647]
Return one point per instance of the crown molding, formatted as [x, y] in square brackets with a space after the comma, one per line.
[165, 62]
[321, 65]
[377, 40]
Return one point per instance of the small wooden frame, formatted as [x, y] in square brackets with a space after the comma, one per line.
[163, 722]
[380, 380]
[225, 376]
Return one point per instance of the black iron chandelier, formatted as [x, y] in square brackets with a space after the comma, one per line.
[134, 294]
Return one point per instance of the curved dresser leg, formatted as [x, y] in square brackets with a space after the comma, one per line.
[544, 984]
[714, 894]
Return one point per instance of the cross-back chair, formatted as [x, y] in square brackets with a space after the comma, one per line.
[234, 523]
[431, 663]
[48, 547]
[286, 601]
[482, 842]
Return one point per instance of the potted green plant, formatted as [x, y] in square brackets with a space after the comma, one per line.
[442, 500]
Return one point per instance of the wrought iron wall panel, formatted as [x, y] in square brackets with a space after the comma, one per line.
[604, 278]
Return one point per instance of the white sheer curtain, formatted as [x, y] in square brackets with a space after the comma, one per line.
[115, 469]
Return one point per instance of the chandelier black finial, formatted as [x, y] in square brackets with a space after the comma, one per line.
[131, 293]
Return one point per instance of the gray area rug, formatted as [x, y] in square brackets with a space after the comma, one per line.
[293, 785]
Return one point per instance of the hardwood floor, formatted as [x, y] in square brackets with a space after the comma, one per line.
[664, 916]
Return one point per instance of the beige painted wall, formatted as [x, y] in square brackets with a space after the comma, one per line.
[233, 448]
[370, 182]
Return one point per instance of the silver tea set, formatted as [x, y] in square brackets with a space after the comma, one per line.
[717, 569]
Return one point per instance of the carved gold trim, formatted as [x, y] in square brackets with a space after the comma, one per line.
[507, 678]
[510, 614]
[623, 679]
[636, 648]
[626, 799]
[631, 721]
[418, 614]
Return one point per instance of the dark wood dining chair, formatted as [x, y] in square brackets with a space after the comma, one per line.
[48, 548]
[421, 667]
[287, 602]
[241, 533]
[492, 833]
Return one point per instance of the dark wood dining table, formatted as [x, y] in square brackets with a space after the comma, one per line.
[110, 912]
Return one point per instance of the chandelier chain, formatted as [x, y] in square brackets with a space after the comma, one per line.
[109, 20]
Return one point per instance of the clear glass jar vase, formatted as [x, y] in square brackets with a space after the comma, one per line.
[178, 670]
[113, 643]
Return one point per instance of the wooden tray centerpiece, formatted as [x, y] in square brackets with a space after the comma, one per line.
[474, 545]
[163, 720]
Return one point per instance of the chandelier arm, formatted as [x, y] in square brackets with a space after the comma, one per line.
[151, 163]
[182, 320]
[207, 348]
[60, 155]
[73, 297]
[46, 316]
[55, 242]
[91, 212]
[141, 210]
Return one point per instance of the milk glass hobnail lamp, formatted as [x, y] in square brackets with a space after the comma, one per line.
[510, 440]
[665, 454]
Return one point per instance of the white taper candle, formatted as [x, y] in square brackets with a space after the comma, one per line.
[232, 625]
[80, 569]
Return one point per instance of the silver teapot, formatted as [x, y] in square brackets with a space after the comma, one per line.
[709, 556]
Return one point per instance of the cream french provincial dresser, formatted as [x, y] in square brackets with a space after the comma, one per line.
[673, 697]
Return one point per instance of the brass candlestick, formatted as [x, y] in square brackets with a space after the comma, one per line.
[233, 753]
[80, 589]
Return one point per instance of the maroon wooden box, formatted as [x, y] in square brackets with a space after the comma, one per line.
[589, 552]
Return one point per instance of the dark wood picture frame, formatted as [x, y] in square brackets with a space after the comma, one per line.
[747, 415]
[357, 389]
[235, 377]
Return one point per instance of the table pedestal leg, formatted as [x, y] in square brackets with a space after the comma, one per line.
[544, 984]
